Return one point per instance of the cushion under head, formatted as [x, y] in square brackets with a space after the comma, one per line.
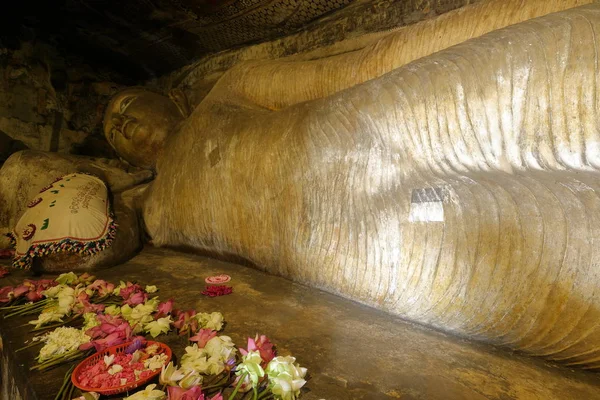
[72, 214]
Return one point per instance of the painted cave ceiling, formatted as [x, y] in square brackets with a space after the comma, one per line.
[146, 38]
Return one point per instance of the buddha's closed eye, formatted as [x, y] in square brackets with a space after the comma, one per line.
[125, 103]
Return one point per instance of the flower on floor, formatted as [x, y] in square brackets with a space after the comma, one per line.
[113, 310]
[102, 287]
[210, 360]
[7, 253]
[250, 368]
[64, 297]
[203, 336]
[109, 331]
[191, 379]
[133, 294]
[49, 315]
[89, 321]
[149, 393]
[83, 305]
[151, 289]
[170, 375]
[160, 326]
[217, 290]
[33, 290]
[194, 393]
[164, 309]
[67, 278]
[212, 321]
[61, 341]
[263, 345]
[6, 294]
[285, 378]
[140, 315]
[110, 315]
[179, 393]
[185, 321]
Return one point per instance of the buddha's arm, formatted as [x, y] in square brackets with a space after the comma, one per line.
[278, 84]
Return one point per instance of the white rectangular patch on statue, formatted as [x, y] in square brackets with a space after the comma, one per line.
[427, 205]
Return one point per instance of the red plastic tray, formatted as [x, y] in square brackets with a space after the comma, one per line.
[99, 357]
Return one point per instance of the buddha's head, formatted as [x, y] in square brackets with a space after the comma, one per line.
[137, 123]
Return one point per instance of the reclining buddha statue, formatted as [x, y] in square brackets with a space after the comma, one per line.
[452, 182]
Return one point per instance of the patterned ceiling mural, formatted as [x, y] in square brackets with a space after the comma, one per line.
[148, 38]
[237, 22]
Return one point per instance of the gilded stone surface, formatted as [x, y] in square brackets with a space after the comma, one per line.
[320, 189]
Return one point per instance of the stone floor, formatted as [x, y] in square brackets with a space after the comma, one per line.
[351, 351]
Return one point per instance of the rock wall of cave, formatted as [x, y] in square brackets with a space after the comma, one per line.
[51, 101]
[57, 78]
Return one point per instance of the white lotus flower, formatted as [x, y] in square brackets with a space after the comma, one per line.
[151, 289]
[148, 394]
[250, 366]
[67, 278]
[212, 321]
[170, 375]
[161, 325]
[285, 378]
[60, 341]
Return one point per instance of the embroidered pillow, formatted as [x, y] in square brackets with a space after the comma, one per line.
[71, 214]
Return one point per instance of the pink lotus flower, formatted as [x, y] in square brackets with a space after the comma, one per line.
[164, 309]
[100, 344]
[129, 289]
[85, 278]
[263, 345]
[33, 289]
[177, 393]
[83, 305]
[101, 286]
[136, 298]
[185, 323]
[83, 296]
[203, 336]
[110, 325]
[4, 294]
[34, 295]
[21, 290]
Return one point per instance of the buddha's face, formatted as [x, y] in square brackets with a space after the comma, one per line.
[137, 123]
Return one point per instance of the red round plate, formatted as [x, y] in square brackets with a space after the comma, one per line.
[99, 357]
[217, 279]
